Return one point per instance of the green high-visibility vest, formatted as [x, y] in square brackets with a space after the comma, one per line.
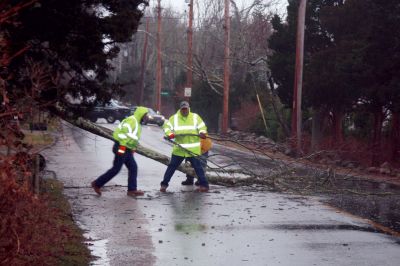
[129, 130]
[186, 131]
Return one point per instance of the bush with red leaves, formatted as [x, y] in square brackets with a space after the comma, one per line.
[30, 231]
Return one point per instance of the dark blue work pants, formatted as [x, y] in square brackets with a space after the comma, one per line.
[174, 164]
[120, 159]
[203, 162]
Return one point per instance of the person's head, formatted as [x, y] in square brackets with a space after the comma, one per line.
[141, 114]
[184, 108]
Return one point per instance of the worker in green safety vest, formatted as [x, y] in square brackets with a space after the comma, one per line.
[126, 136]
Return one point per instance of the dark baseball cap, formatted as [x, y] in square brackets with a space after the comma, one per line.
[184, 104]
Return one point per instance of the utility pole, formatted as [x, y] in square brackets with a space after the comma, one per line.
[298, 76]
[189, 74]
[143, 70]
[225, 112]
[158, 75]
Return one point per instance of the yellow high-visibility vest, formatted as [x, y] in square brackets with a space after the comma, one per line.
[129, 130]
[186, 131]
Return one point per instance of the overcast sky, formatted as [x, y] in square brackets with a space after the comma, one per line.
[181, 5]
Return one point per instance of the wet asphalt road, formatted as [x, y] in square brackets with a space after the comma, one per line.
[228, 226]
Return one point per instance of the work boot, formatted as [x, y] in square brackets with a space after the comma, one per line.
[187, 182]
[202, 189]
[96, 188]
[134, 193]
[163, 189]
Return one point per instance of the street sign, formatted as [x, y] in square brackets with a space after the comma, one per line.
[164, 93]
[188, 92]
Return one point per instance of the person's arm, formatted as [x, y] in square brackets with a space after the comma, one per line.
[201, 127]
[120, 136]
[169, 129]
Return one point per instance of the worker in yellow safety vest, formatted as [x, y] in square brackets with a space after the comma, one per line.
[185, 129]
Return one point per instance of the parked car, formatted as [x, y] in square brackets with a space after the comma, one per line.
[89, 109]
[111, 111]
[154, 118]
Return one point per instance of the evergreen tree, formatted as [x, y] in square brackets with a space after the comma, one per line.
[72, 43]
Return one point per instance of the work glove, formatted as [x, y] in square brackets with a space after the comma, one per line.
[203, 135]
[121, 150]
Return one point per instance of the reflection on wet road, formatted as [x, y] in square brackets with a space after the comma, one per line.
[228, 226]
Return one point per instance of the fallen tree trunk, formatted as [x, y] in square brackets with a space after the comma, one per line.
[212, 174]
[302, 178]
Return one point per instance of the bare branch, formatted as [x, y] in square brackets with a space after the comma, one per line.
[5, 61]
[4, 16]
[205, 77]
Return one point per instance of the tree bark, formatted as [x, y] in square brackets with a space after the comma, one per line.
[377, 137]
[316, 134]
[338, 127]
[274, 100]
[395, 138]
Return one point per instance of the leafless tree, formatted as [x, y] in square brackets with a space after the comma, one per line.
[249, 44]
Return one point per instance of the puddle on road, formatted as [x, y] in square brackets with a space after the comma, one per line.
[188, 228]
[98, 250]
[330, 227]
[298, 227]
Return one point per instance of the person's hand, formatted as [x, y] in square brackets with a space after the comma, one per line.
[121, 150]
[133, 151]
[171, 136]
[203, 135]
